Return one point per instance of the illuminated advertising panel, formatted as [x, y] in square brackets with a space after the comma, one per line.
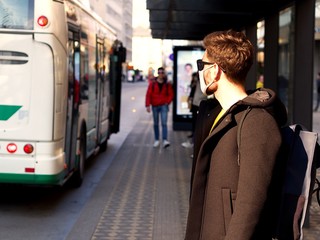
[185, 58]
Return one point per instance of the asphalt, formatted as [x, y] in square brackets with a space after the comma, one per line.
[144, 193]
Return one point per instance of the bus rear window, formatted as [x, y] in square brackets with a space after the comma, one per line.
[16, 14]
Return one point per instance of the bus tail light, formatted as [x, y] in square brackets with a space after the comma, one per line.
[43, 21]
[29, 170]
[12, 148]
[28, 148]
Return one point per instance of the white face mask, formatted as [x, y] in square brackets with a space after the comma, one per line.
[204, 87]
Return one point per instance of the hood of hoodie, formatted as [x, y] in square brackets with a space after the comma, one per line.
[267, 99]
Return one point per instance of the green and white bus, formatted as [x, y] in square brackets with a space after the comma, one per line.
[60, 81]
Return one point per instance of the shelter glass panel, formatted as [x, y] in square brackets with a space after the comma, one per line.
[316, 69]
[286, 55]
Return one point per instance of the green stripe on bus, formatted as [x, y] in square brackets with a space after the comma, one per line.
[55, 179]
[6, 111]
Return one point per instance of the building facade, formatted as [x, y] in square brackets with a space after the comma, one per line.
[117, 14]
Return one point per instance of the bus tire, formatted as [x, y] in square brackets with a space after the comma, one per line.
[79, 172]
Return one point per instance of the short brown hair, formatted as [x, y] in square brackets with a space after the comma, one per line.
[232, 51]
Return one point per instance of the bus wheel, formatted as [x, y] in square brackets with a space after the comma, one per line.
[79, 173]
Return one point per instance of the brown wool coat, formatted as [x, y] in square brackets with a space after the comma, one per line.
[228, 200]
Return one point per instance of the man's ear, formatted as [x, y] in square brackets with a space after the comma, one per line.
[215, 72]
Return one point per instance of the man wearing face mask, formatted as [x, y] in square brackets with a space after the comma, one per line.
[231, 173]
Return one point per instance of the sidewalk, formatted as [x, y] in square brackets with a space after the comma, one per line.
[313, 231]
[144, 193]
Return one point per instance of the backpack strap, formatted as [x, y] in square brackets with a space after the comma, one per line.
[239, 131]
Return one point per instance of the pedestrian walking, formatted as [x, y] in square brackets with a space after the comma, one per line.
[231, 173]
[159, 95]
[260, 81]
[150, 76]
[195, 97]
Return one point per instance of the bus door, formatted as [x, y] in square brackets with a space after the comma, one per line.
[73, 98]
[100, 76]
[117, 57]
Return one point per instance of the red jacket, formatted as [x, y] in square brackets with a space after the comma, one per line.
[155, 97]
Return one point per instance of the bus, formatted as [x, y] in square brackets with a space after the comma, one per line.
[60, 87]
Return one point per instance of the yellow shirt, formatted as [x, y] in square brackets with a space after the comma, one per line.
[217, 119]
[259, 84]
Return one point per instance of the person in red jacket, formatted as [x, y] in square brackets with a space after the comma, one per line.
[159, 95]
